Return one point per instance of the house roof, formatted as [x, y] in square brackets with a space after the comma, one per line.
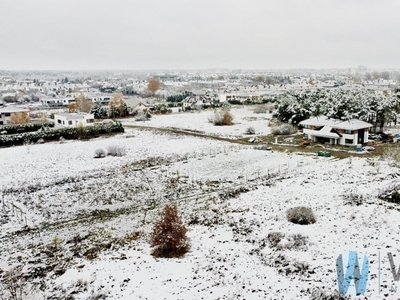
[74, 116]
[352, 124]
[326, 132]
[12, 109]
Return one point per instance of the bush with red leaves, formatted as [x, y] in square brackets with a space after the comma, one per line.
[169, 234]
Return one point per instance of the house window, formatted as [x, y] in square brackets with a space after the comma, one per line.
[307, 126]
[69, 122]
[59, 121]
[347, 131]
[348, 141]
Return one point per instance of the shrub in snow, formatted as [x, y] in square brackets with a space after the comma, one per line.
[280, 241]
[322, 294]
[274, 238]
[300, 215]
[261, 109]
[283, 129]
[100, 153]
[392, 155]
[14, 285]
[353, 199]
[169, 234]
[221, 118]
[250, 130]
[115, 150]
[287, 266]
[143, 117]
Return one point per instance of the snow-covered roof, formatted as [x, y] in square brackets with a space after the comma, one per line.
[352, 124]
[75, 116]
[319, 121]
[12, 109]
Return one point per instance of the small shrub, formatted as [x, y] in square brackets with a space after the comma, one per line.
[280, 241]
[261, 109]
[274, 238]
[322, 294]
[250, 130]
[13, 286]
[300, 215]
[395, 197]
[283, 129]
[169, 234]
[353, 199]
[99, 153]
[115, 150]
[391, 195]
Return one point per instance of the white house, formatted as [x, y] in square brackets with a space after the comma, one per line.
[6, 112]
[336, 132]
[73, 119]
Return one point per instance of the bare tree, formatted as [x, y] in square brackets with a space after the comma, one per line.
[19, 118]
[153, 85]
[117, 106]
[83, 103]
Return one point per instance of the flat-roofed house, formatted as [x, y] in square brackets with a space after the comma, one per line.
[73, 119]
[6, 112]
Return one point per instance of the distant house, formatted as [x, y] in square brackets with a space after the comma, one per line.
[197, 99]
[242, 97]
[73, 119]
[336, 132]
[57, 102]
[136, 104]
[6, 112]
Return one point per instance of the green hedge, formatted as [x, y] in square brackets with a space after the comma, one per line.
[13, 129]
[55, 134]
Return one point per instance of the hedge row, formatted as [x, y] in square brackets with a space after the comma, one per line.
[13, 129]
[55, 134]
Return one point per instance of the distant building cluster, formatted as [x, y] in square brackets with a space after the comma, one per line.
[56, 93]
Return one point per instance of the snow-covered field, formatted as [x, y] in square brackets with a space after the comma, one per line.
[199, 121]
[78, 227]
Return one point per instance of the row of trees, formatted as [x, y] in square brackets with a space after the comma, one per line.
[376, 108]
[116, 108]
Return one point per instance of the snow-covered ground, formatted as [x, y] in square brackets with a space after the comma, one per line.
[243, 118]
[231, 197]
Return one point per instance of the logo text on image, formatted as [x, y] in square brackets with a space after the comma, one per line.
[352, 273]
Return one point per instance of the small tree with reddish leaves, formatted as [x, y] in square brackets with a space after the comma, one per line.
[169, 234]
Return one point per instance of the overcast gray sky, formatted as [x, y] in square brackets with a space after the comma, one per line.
[192, 34]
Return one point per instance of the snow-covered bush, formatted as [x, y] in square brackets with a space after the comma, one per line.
[221, 118]
[321, 294]
[283, 129]
[250, 130]
[169, 234]
[99, 111]
[116, 150]
[353, 199]
[300, 215]
[100, 153]
[280, 241]
[261, 109]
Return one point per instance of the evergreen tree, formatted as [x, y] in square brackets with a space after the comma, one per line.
[99, 111]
